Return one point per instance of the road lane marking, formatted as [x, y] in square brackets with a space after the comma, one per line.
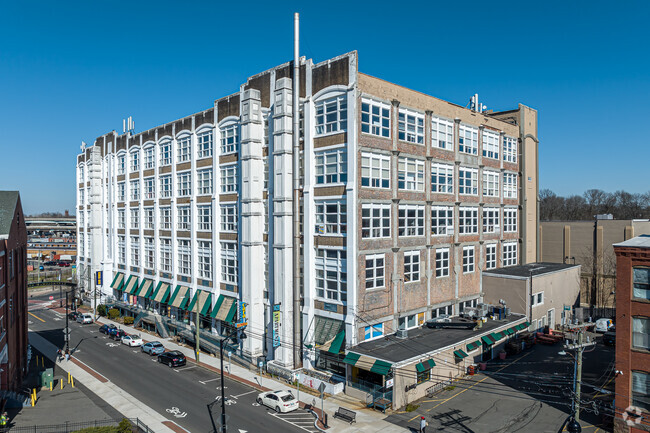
[34, 315]
[246, 393]
[210, 380]
[186, 368]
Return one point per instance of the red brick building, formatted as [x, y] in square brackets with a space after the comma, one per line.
[633, 335]
[13, 292]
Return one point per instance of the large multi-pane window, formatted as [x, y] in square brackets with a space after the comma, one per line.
[410, 174]
[121, 219]
[442, 220]
[468, 139]
[148, 218]
[411, 126]
[331, 166]
[491, 256]
[184, 183]
[468, 181]
[165, 152]
[134, 158]
[442, 133]
[81, 196]
[490, 144]
[166, 254]
[373, 331]
[490, 220]
[228, 178]
[149, 188]
[134, 189]
[375, 170]
[121, 188]
[166, 218]
[442, 178]
[205, 259]
[641, 279]
[331, 115]
[229, 263]
[509, 149]
[204, 144]
[121, 163]
[184, 144]
[149, 253]
[135, 251]
[641, 390]
[509, 185]
[204, 181]
[411, 266]
[81, 174]
[375, 273]
[149, 157]
[184, 218]
[509, 220]
[468, 259]
[331, 217]
[641, 332]
[121, 250]
[490, 183]
[331, 274]
[229, 217]
[411, 220]
[442, 262]
[509, 254]
[229, 139]
[80, 242]
[375, 118]
[166, 186]
[135, 218]
[184, 257]
[468, 220]
[375, 220]
[204, 215]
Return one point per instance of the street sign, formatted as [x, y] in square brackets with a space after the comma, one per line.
[51, 298]
[99, 278]
[321, 388]
[277, 317]
[66, 331]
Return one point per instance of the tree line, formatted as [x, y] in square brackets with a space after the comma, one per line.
[621, 204]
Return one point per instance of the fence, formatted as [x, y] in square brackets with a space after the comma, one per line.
[70, 427]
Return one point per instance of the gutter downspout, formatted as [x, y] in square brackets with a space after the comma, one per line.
[297, 341]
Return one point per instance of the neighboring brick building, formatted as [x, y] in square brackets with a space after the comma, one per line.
[633, 334]
[13, 292]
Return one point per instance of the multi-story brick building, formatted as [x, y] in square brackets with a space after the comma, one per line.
[633, 335]
[405, 199]
[13, 292]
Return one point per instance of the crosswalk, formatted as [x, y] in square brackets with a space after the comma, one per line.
[299, 418]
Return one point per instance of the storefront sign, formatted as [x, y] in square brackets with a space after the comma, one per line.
[389, 383]
[277, 317]
[243, 321]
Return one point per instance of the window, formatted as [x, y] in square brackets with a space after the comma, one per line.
[229, 263]
[229, 217]
[641, 333]
[442, 133]
[641, 390]
[448, 310]
[442, 220]
[204, 144]
[490, 183]
[468, 260]
[166, 254]
[331, 217]
[331, 275]
[373, 331]
[509, 220]
[331, 166]
[375, 118]
[135, 251]
[166, 153]
[538, 299]
[509, 149]
[184, 257]
[375, 220]
[331, 115]
[184, 183]
[468, 181]
[490, 220]
[490, 144]
[166, 218]
[135, 161]
[135, 218]
[468, 139]
[81, 218]
[149, 188]
[81, 196]
[509, 253]
[121, 250]
[410, 174]
[423, 376]
[641, 278]
[229, 178]
[375, 271]
[204, 217]
[184, 218]
[149, 253]
[375, 170]
[134, 189]
[491, 256]
[411, 220]
[229, 139]
[205, 259]
[411, 126]
[121, 163]
[166, 186]
[442, 178]
[407, 322]
[149, 157]
[411, 266]
[121, 219]
[149, 221]
[509, 185]
[81, 173]
[468, 220]
[204, 181]
[80, 242]
[183, 144]
[120, 191]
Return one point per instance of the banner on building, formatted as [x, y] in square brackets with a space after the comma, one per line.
[277, 318]
[99, 278]
[243, 320]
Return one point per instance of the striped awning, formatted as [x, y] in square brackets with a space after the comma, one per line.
[145, 289]
[460, 354]
[118, 281]
[487, 340]
[474, 345]
[510, 331]
[131, 285]
[161, 294]
[496, 336]
[204, 300]
[527, 324]
[367, 363]
[180, 297]
[425, 365]
[224, 309]
[334, 345]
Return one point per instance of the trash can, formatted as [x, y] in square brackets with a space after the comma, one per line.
[47, 377]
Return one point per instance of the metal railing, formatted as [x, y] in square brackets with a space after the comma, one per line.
[69, 427]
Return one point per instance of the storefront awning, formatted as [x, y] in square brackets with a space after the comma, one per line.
[367, 363]
[145, 288]
[204, 300]
[527, 324]
[496, 337]
[224, 309]
[161, 294]
[118, 281]
[180, 297]
[487, 340]
[131, 285]
[474, 345]
[510, 331]
[425, 365]
[334, 345]
[460, 354]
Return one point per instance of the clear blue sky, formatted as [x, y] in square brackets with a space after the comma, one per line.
[70, 71]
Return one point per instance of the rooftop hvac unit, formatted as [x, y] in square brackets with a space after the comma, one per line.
[483, 309]
[471, 312]
[402, 333]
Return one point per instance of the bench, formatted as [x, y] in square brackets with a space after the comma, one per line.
[346, 414]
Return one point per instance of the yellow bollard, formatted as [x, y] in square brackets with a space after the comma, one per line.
[33, 402]
[72, 379]
[61, 382]
[50, 386]
[68, 377]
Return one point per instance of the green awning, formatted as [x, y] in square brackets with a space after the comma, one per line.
[510, 331]
[118, 281]
[351, 358]
[381, 367]
[496, 337]
[367, 363]
[425, 365]
[474, 345]
[131, 285]
[205, 302]
[460, 354]
[500, 334]
[527, 324]
[224, 309]
[487, 340]
[145, 288]
[180, 297]
[162, 293]
[334, 345]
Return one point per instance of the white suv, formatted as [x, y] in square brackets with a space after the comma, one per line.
[85, 318]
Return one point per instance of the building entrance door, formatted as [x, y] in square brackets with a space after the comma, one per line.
[551, 318]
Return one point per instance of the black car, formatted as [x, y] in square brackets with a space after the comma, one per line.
[106, 329]
[116, 334]
[173, 358]
[609, 337]
[73, 315]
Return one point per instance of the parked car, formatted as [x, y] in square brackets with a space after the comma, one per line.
[173, 358]
[106, 329]
[84, 318]
[72, 315]
[603, 325]
[281, 401]
[41, 268]
[49, 263]
[609, 337]
[117, 334]
[153, 348]
[132, 340]
[64, 264]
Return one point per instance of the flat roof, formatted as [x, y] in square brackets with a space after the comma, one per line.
[525, 270]
[422, 341]
[642, 241]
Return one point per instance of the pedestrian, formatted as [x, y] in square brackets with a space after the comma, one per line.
[423, 424]
[67, 355]
[59, 355]
[4, 419]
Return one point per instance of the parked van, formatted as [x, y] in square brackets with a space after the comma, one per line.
[603, 325]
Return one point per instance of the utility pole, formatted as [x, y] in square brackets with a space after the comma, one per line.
[198, 341]
[579, 348]
[67, 326]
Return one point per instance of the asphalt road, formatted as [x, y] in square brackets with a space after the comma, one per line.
[179, 394]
